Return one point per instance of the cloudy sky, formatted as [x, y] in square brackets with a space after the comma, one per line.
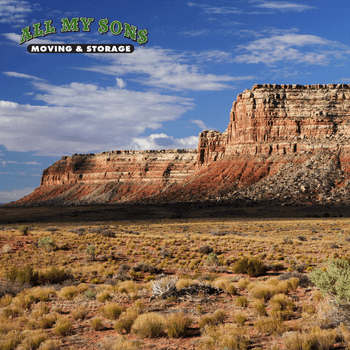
[199, 56]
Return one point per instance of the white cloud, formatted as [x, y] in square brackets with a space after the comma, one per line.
[216, 9]
[282, 6]
[200, 123]
[21, 75]
[4, 162]
[196, 32]
[31, 163]
[285, 6]
[163, 141]
[82, 118]
[10, 196]
[14, 11]
[222, 10]
[167, 69]
[16, 38]
[288, 47]
[120, 83]
[265, 31]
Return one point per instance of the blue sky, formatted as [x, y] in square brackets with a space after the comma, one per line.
[199, 57]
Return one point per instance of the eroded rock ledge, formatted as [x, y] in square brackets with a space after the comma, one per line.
[275, 132]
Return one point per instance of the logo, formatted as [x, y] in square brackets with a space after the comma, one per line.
[73, 25]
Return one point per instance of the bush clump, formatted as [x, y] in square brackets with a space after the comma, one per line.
[316, 338]
[226, 336]
[177, 325]
[251, 266]
[54, 276]
[23, 229]
[27, 275]
[96, 324]
[334, 280]
[47, 244]
[213, 320]
[112, 311]
[145, 267]
[126, 321]
[205, 249]
[149, 325]
[63, 328]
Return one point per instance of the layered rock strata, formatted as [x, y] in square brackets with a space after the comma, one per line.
[273, 132]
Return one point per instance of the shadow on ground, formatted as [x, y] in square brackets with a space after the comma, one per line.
[135, 212]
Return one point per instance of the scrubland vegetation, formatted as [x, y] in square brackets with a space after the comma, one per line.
[179, 284]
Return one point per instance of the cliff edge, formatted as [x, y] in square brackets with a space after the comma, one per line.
[283, 144]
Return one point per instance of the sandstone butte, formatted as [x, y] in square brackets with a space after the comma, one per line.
[283, 144]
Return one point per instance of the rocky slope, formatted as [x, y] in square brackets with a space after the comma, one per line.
[283, 143]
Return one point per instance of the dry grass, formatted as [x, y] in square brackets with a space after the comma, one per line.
[228, 337]
[112, 311]
[315, 338]
[177, 325]
[126, 320]
[121, 343]
[271, 306]
[149, 325]
[183, 282]
[96, 324]
[259, 307]
[80, 313]
[63, 328]
[68, 293]
[270, 325]
[32, 340]
[103, 296]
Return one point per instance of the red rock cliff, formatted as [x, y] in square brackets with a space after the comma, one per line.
[272, 128]
[271, 119]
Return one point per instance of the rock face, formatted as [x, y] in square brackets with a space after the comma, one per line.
[283, 143]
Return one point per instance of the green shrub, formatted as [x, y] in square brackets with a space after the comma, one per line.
[334, 280]
[46, 243]
[212, 259]
[90, 251]
[23, 229]
[251, 266]
[90, 294]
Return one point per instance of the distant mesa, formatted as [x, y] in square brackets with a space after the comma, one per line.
[285, 144]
